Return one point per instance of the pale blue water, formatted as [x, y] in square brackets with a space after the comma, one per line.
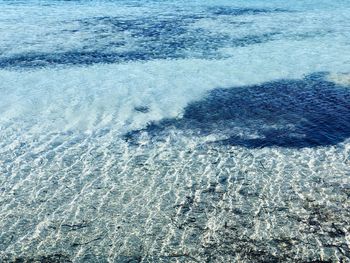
[174, 131]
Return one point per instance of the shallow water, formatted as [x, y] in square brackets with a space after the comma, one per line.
[174, 131]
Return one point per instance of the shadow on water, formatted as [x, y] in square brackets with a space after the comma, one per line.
[231, 11]
[154, 37]
[287, 113]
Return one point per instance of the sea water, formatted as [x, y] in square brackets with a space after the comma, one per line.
[175, 131]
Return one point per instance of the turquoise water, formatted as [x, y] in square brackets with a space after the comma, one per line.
[174, 131]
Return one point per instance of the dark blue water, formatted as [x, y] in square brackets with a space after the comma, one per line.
[309, 112]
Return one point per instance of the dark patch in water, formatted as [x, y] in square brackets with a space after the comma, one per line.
[152, 37]
[172, 48]
[33, 60]
[287, 113]
[56, 258]
[252, 39]
[226, 10]
[142, 109]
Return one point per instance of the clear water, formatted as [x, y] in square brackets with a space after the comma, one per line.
[175, 131]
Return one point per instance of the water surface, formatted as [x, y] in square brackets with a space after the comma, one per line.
[174, 131]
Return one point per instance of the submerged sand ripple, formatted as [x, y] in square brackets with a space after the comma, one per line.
[173, 200]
